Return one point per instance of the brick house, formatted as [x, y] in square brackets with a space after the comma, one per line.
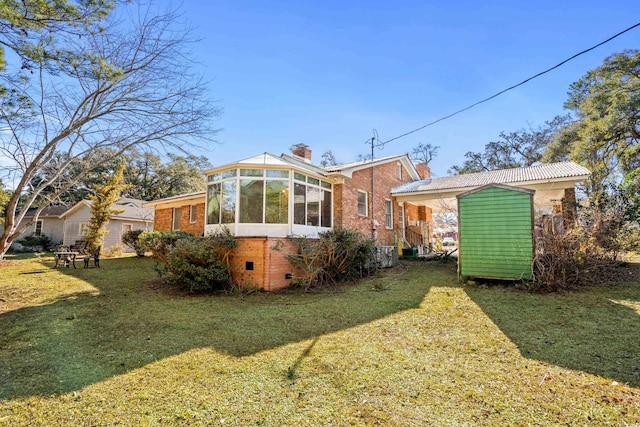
[264, 200]
[185, 212]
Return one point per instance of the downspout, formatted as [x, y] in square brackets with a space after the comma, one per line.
[373, 221]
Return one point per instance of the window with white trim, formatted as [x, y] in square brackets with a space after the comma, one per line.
[193, 214]
[38, 230]
[388, 214]
[399, 171]
[177, 213]
[363, 205]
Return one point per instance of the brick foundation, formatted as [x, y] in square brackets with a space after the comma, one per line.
[260, 262]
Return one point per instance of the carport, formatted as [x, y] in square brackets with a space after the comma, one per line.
[553, 183]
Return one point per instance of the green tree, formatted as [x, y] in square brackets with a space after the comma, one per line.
[90, 79]
[605, 133]
[102, 202]
[151, 179]
[37, 30]
[513, 150]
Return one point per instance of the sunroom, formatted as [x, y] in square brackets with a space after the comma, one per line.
[269, 196]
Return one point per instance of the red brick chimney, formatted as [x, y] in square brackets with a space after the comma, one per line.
[423, 170]
[301, 150]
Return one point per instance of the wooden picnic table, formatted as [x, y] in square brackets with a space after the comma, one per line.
[67, 256]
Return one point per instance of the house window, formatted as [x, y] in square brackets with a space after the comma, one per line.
[193, 213]
[213, 203]
[311, 201]
[388, 214]
[228, 205]
[299, 203]
[259, 196]
[362, 203]
[326, 209]
[177, 214]
[276, 209]
[221, 203]
[399, 171]
[38, 230]
[251, 200]
[313, 206]
[262, 196]
[84, 228]
[126, 228]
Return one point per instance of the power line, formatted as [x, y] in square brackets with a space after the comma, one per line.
[382, 143]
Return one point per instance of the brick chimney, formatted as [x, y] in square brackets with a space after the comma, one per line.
[301, 150]
[423, 170]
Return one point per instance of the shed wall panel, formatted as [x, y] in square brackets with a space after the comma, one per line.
[496, 234]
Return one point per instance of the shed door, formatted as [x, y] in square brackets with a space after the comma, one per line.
[496, 234]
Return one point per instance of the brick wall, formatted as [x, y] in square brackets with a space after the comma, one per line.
[261, 262]
[163, 220]
[423, 170]
[346, 200]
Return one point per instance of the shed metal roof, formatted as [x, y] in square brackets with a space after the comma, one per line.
[543, 172]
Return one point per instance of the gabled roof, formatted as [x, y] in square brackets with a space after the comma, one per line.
[347, 169]
[129, 210]
[196, 196]
[549, 172]
[501, 186]
[50, 211]
[271, 160]
[130, 202]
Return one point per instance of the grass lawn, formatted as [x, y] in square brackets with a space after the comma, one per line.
[410, 348]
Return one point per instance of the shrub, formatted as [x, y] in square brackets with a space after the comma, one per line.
[202, 263]
[114, 251]
[40, 243]
[160, 243]
[336, 256]
[198, 263]
[132, 240]
[195, 263]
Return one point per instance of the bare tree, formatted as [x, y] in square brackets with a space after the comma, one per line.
[124, 80]
[328, 159]
[424, 153]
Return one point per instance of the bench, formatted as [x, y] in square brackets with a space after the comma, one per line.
[96, 259]
[80, 246]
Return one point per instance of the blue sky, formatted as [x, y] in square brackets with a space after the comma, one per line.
[327, 73]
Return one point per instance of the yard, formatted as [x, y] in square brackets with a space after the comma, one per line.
[409, 348]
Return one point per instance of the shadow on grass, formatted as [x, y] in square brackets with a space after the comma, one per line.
[85, 338]
[594, 330]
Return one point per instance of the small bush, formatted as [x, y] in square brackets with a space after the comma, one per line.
[336, 256]
[40, 243]
[197, 263]
[114, 251]
[160, 244]
[132, 240]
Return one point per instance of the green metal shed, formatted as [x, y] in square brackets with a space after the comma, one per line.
[495, 225]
